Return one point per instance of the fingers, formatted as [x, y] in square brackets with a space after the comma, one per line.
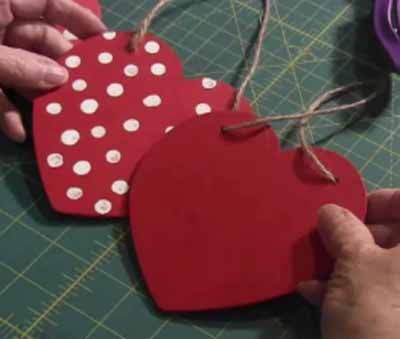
[10, 120]
[38, 37]
[342, 232]
[6, 17]
[386, 235]
[384, 206]
[313, 291]
[22, 69]
[77, 19]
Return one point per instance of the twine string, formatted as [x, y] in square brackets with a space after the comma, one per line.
[137, 37]
[305, 117]
[257, 56]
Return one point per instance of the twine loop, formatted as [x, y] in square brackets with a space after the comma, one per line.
[303, 117]
[313, 111]
[138, 37]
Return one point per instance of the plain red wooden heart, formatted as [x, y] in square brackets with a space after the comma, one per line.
[90, 134]
[229, 220]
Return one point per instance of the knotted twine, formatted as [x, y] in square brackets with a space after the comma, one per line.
[303, 117]
[313, 111]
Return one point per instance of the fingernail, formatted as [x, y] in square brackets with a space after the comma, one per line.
[56, 75]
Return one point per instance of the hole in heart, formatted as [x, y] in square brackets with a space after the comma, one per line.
[306, 170]
[244, 133]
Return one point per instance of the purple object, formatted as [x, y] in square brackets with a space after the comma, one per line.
[387, 28]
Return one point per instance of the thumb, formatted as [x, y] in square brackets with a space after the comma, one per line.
[23, 69]
[313, 291]
[342, 232]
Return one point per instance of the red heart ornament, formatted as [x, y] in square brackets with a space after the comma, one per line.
[224, 220]
[90, 134]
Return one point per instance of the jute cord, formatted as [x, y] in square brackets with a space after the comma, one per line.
[305, 117]
[257, 56]
[137, 37]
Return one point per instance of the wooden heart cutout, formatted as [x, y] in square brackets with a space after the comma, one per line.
[90, 134]
[220, 220]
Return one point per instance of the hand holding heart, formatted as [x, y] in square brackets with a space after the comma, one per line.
[28, 42]
[361, 300]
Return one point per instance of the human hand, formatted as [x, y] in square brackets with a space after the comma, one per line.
[28, 44]
[362, 298]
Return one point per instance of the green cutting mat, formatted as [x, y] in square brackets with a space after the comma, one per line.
[63, 278]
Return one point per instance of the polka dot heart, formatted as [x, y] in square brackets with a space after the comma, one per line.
[91, 133]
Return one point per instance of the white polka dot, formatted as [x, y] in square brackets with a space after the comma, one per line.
[69, 36]
[89, 106]
[152, 47]
[55, 160]
[158, 69]
[209, 83]
[105, 58]
[79, 85]
[115, 90]
[70, 137]
[131, 70]
[113, 156]
[82, 167]
[203, 109]
[103, 206]
[98, 132]
[131, 125]
[120, 187]
[109, 35]
[74, 193]
[152, 101]
[54, 108]
[73, 61]
[169, 129]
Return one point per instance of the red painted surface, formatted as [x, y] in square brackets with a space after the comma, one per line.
[229, 220]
